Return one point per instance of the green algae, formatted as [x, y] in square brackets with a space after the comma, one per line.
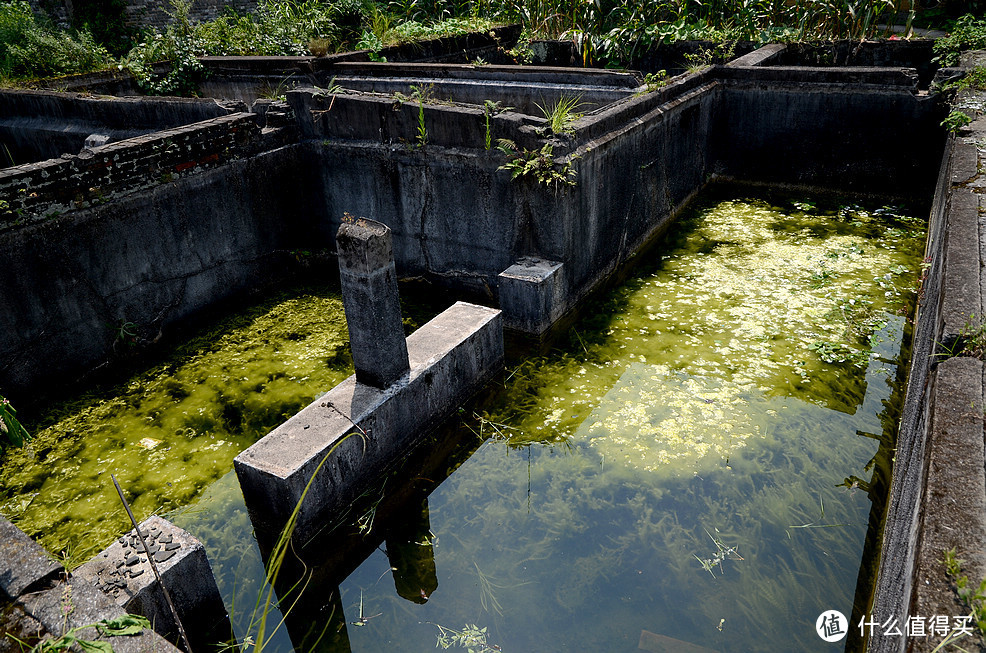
[173, 429]
[738, 393]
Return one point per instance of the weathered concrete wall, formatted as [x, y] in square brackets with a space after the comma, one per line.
[39, 125]
[97, 175]
[863, 130]
[457, 218]
[147, 13]
[151, 258]
[938, 496]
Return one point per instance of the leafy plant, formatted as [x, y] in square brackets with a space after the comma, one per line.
[562, 113]
[956, 120]
[536, 164]
[654, 81]
[969, 33]
[11, 431]
[128, 624]
[421, 94]
[177, 46]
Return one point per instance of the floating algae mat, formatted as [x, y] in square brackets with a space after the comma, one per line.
[703, 464]
[175, 428]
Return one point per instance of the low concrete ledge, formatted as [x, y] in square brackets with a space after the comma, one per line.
[954, 503]
[961, 293]
[451, 357]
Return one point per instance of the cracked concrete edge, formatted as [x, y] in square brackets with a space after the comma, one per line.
[49, 601]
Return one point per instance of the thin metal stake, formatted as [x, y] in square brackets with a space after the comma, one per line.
[150, 559]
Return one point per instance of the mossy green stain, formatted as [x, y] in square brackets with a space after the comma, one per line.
[172, 430]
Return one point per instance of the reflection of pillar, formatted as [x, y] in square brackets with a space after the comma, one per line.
[412, 557]
[369, 296]
[316, 623]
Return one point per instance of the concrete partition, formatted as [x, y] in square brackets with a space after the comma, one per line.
[361, 430]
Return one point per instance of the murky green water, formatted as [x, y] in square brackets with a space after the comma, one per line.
[175, 428]
[694, 463]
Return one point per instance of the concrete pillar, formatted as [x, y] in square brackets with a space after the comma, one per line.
[532, 294]
[373, 308]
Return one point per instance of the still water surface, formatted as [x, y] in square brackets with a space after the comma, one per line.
[698, 460]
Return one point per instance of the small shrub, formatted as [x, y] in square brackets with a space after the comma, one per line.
[969, 34]
[536, 164]
[956, 120]
[29, 48]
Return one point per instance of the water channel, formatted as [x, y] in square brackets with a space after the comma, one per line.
[702, 457]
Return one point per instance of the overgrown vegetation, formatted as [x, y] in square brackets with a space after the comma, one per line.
[606, 32]
[31, 46]
[969, 33]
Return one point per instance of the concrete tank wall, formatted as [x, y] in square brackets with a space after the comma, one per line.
[157, 255]
[151, 259]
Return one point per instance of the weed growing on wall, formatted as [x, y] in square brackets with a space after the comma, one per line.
[971, 596]
[956, 120]
[561, 114]
[969, 33]
[31, 47]
[538, 165]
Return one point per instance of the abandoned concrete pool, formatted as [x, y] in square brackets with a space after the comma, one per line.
[672, 454]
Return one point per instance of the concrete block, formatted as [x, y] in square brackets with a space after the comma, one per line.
[532, 294]
[961, 291]
[122, 573]
[24, 565]
[361, 431]
[371, 301]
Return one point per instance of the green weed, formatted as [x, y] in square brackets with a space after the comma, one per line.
[12, 434]
[956, 120]
[539, 165]
[562, 113]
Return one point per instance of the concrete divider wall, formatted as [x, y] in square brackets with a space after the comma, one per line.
[151, 258]
[38, 125]
[39, 191]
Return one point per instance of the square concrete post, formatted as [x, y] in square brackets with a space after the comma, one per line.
[371, 302]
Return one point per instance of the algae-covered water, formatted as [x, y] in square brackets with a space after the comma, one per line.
[174, 428]
[702, 460]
